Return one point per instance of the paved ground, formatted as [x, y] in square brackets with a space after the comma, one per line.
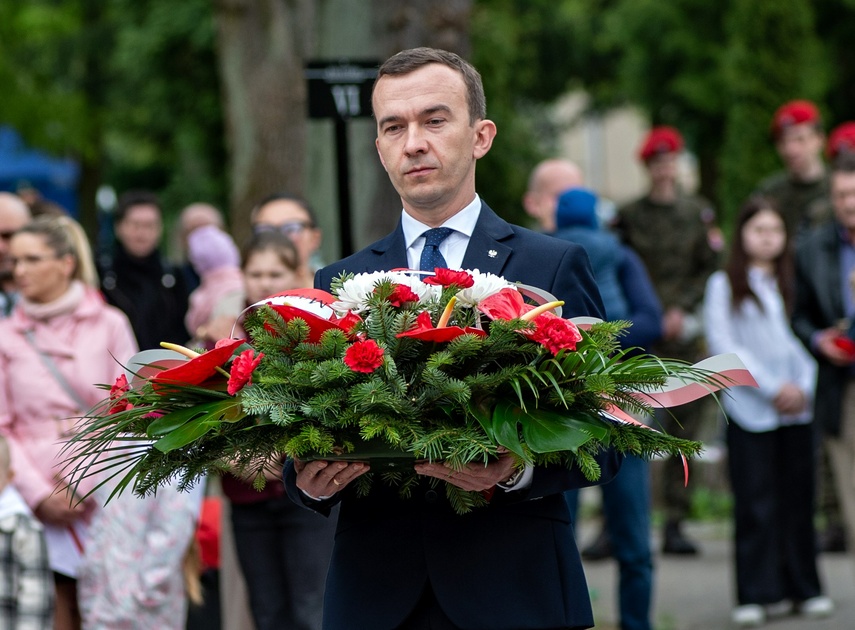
[697, 593]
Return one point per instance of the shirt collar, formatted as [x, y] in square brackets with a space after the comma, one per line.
[463, 222]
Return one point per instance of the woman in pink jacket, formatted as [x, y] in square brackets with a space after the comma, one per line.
[59, 342]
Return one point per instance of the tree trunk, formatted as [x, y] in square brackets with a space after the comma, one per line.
[262, 45]
[402, 24]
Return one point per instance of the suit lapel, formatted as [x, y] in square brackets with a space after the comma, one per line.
[486, 251]
[388, 253]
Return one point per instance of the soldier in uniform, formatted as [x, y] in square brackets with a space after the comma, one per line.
[801, 190]
[669, 230]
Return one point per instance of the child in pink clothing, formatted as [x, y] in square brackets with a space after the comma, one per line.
[216, 259]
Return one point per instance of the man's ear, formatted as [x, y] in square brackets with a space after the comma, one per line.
[485, 132]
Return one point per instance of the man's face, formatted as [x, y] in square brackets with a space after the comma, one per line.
[11, 220]
[663, 168]
[843, 199]
[425, 140]
[140, 230]
[292, 219]
[552, 179]
[799, 147]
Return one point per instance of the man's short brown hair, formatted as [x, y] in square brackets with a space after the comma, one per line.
[410, 60]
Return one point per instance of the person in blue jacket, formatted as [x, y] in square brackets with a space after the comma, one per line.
[628, 294]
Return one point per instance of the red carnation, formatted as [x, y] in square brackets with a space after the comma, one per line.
[555, 334]
[446, 277]
[242, 368]
[117, 395]
[364, 356]
[402, 294]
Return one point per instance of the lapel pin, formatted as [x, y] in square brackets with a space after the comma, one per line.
[492, 253]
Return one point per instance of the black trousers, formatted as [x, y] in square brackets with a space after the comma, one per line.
[773, 479]
[427, 615]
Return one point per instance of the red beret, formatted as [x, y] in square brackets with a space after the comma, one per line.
[794, 113]
[841, 139]
[660, 140]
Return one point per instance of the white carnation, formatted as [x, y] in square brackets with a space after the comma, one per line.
[486, 284]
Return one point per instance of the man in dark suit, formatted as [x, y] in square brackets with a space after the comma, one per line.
[414, 563]
[823, 318]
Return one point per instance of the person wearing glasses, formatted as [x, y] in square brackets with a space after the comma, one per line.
[293, 217]
[14, 214]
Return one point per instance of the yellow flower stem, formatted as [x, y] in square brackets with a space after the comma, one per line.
[190, 354]
[446, 314]
[527, 317]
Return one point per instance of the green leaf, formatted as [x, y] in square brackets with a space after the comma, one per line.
[506, 419]
[185, 434]
[549, 431]
[171, 421]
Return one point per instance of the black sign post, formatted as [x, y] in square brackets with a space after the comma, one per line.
[341, 91]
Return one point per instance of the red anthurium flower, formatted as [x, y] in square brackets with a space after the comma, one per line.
[117, 395]
[425, 331]
[402, 294]
[554, 333]
[347, 322]
[506, 304]
[317, 325]
[364, 356]
[447, 277]
[242, 368]
[200, 369]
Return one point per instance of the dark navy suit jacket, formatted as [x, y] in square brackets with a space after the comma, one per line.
[511, 565]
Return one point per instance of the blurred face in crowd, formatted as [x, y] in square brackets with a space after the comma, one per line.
[800, 147]
[14, 215]
[426, 141]
[663, 168]
[843, 199]
[764, 236]
[266, 273]
[548, 181]
[292, 219]
[40, 275]
[140, 230]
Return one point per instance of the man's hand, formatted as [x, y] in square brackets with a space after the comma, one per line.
[323, 479]
[790, 399]
[826, 346]
[672, 323]
[474, 476]
[60, 509]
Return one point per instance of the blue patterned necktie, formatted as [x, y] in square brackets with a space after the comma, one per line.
[431, 258]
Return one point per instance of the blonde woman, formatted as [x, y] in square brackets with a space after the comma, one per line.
[60, 340]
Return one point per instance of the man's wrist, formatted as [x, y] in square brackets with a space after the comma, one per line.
[520, 479]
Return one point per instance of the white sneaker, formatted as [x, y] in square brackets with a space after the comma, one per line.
[749, 615]
[817, 607]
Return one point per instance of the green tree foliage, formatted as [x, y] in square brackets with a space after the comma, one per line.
[788, 65]
[128, 88]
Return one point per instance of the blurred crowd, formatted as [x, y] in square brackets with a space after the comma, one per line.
[779, 292]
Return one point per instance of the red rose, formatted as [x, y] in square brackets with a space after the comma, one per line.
[364, 356]
[447, 277]
[402, 294]
[242, 368]
[555, 333]
[117, 395]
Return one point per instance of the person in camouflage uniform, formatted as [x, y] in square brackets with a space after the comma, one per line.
[669, 230]
[801, 190]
